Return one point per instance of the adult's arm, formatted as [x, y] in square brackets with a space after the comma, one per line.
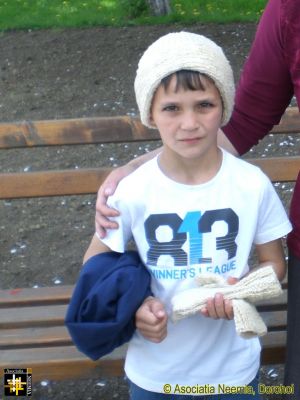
[265, 88]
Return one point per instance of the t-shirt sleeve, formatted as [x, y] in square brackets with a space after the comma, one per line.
[117, 239]
[273, 222]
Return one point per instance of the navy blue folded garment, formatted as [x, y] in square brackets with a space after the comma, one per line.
[109, 290]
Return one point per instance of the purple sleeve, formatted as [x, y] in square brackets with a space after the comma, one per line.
[265, 88]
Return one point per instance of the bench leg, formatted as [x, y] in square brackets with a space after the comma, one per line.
[292, 366]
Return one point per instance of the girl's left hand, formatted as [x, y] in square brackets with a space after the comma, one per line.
[217, 307]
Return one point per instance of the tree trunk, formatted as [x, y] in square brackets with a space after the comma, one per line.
[160, 7]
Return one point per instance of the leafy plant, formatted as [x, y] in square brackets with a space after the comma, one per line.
[135, 8]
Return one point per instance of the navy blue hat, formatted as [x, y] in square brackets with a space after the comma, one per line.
[109, 290]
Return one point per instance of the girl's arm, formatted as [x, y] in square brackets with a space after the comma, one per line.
[272, 253]
[95, 247]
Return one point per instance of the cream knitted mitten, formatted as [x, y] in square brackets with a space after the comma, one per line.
[248, 322]
[258, 285]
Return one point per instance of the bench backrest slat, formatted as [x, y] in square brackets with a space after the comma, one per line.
[74, 131]
[98, 130]
[51, 183]
[289, 122]
[87, 181]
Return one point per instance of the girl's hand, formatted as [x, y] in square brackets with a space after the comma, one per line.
[151, 320]
[217, 307]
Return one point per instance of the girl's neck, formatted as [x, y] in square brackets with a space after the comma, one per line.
[194, 171]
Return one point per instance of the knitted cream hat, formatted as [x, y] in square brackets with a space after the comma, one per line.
[174, 52]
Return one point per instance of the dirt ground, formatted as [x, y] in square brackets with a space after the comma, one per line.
[68, 74]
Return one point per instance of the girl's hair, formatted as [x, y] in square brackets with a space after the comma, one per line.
[187, 80]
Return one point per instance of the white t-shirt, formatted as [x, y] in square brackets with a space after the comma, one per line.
[181, 231]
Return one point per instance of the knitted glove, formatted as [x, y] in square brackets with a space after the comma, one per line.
[248, 322]
[260, 284]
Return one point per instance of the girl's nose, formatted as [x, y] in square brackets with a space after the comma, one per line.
[189, 121]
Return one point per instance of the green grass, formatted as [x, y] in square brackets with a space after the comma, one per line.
[31, 14]
[220, 11]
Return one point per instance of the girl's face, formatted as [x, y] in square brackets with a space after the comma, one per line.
[188, 120]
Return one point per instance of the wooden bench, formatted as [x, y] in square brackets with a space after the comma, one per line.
[32, 332]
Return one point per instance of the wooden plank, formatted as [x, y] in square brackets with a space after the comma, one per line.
[34, 337]
[274, 355]
[98, 130]
[68, 363]
[275, 319]
[74, 131]
[272, 339]
[87, 181]
[51, 183]
[52, 315]
[64, 362]
[279, 169]
[20, 297]
[290, 121]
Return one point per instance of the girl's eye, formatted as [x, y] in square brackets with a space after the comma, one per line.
[205, 104]
[171, 107]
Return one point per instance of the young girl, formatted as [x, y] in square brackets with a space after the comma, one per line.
[192, 209]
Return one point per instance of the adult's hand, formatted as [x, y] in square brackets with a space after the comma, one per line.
[103, 212]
